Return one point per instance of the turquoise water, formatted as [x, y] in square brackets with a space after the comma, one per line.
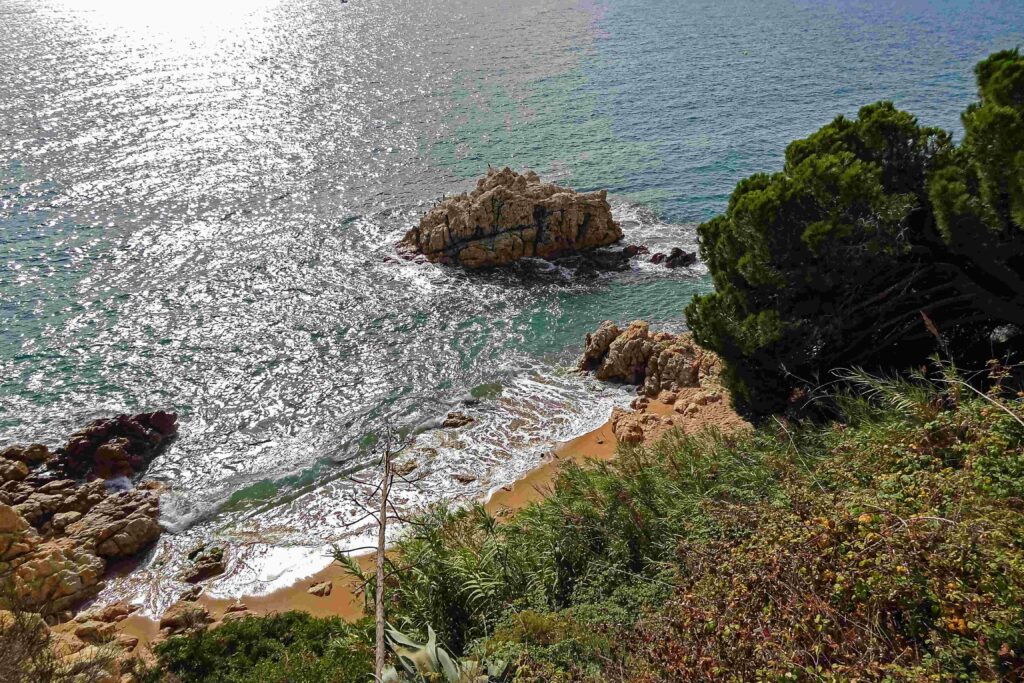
[199, 202]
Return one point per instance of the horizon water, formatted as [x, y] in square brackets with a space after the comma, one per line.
[199, 205]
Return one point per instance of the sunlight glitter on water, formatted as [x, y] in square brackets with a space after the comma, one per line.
[198, 205]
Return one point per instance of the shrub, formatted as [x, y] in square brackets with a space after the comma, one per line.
[292, 647]
[882, 548]
[871, 223]
[895, 557]
[30, 653]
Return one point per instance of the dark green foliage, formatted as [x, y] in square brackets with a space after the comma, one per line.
[872, 222]
[292, 647]
[978, 192]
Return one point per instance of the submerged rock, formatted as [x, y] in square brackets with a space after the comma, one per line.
[510, 216]
[455, 420]
[676, 258]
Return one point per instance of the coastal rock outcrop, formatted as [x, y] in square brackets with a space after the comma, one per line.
[121, 446]
[509, 216]
[57, 532]
[184, 616]
[657, 361]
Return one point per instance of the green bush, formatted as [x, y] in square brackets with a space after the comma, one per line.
[292, 647]
[885, 547]
[895, 557]
[871, 223]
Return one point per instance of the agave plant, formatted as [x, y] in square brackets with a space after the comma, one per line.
[429, 662]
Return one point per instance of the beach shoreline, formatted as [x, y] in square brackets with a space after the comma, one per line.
[684, 410]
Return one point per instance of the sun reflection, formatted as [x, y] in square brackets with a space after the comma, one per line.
[183, 19]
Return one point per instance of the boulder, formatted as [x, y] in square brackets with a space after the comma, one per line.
[95, 631]
[119, 611]
[677, 258]
[32, 455]
[510, 216]
[596, 345]
[207, 561]
[656, 361]
[121, 525]
[12, 470]
[118, 446]
[627, 427]
[17, 537]
[321, 590]
[56, 575]
[183, 617]
[456, 420]
[56, 534]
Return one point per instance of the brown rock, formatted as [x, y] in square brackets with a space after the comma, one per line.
[118, 446]
[32, 455]
[321, 590]
[95, 631]
[121, 525]
[627, 427]
[113, 459]
[456, 420]
[17, 537]
[464, 478]
[659, 362]
[62, 519]
[237, 607]
[58, 574]
[207, 562]
[184, 617]
[12, 470]
[119, 611]
[126, 642]
[596, 344]
[509, 216]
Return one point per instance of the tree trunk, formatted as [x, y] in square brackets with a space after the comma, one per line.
[382, 523]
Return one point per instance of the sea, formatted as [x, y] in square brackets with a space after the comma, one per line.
[199, 203]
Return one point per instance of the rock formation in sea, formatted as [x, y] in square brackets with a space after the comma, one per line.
[509, 216]
[60, 523]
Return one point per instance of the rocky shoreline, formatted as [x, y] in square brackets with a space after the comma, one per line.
[66, 515]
